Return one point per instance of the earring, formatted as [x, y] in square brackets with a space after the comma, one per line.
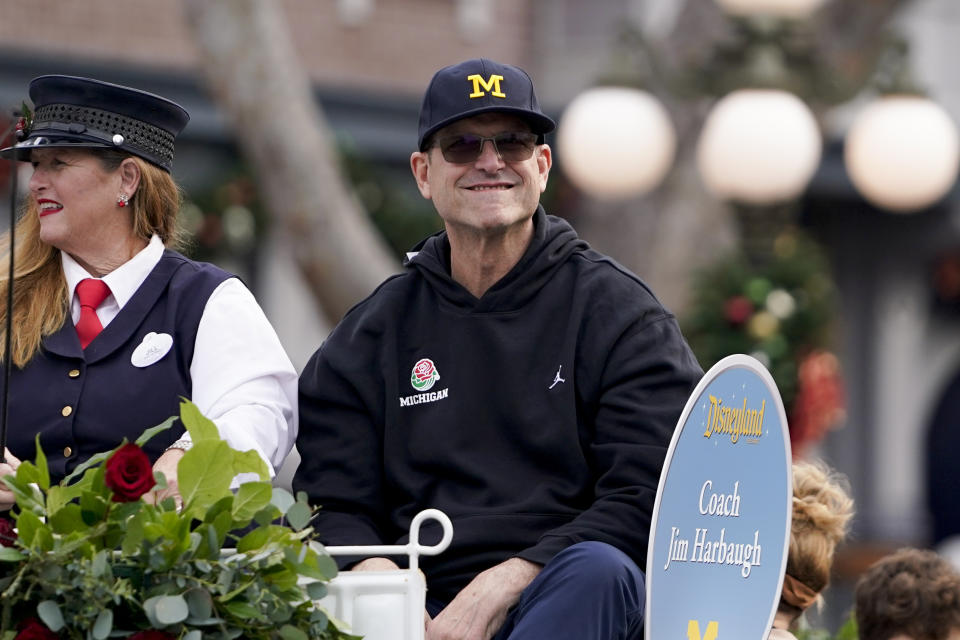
[122, 200]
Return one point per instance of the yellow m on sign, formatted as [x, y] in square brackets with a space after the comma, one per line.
[693, 630]
[492, 85]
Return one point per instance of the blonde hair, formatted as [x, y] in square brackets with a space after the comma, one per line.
[41, 301]
[822, 510]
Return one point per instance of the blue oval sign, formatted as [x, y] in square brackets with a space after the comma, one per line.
[721, 522]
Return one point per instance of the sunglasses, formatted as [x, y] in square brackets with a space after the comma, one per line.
[510, 146]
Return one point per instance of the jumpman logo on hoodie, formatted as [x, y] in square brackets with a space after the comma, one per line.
[557, 379]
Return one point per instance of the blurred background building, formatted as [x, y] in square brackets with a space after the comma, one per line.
[896, 313]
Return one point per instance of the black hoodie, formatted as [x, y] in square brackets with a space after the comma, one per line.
[541, 419]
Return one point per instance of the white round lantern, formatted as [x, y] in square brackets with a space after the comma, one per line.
[902, 153]
[759, 146]
[615, 142]
[781, 8]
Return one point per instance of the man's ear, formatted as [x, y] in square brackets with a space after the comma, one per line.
[544, 162]
[129, 176]
[420, 165]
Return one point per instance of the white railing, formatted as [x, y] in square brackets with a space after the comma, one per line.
[386, 605]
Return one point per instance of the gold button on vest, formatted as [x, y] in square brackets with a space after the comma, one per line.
[74, 373]
[66, 411]
[67, 452]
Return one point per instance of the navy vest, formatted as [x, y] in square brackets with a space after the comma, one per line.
[82, 402]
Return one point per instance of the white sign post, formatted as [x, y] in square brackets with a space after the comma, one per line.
[721, 521]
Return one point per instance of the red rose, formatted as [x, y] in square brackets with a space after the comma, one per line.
[152, 635]
[7, 535]
[33, 629]
[129, 474]
[424, 370]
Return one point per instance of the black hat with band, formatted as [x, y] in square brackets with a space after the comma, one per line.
[480, 86]
[77, 112]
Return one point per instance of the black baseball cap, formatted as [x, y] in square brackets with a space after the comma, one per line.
[480, 86]
[86, 113]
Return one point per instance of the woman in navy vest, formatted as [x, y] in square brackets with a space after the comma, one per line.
[110, 325]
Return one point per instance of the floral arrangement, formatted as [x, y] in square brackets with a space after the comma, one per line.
[779, 311]
[90, 558]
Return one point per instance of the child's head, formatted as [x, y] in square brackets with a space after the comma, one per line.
[912, 594]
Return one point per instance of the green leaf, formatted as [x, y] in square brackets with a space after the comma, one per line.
[849, 629]
[49, 612]
[41, 460]
[204, 474]
[242, 610]
[28, 473]
[200, 604]
[93, 507]
[74, 491]
[289, 632]
[299, 516]
[253, 540]
[282, 499]
[198, 425]
[266, 515]
[92, 461]
[250, 498]
[134, 538]
[27, 526]
[28, 498]
[152, 431]
[68, 519]
[223, 505]
[225, 581]
[99, 566]
[10, 554]
[250, 462]
[121, 511]
[43, 541]
[56, 499]
[327, 565]
[164, 610]
[319, 617]
[317, 590]
[222, 525]
[103, 626]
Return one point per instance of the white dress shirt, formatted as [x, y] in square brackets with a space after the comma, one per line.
[242, 377]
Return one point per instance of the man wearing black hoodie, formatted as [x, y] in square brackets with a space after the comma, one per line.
[512, 377]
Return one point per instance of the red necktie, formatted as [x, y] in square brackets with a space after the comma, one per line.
[91, 293]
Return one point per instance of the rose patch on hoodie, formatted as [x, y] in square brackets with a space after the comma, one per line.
[422, 378]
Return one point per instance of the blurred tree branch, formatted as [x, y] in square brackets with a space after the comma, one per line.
[255, 77]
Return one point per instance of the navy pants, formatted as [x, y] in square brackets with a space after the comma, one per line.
[589, 591]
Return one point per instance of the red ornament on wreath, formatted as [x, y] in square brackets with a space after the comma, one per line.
[737, 310]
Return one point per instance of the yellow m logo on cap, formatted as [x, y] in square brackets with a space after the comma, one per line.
[492, 85]
[693, 630]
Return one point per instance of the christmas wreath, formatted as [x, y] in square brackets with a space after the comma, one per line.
[778, 310]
